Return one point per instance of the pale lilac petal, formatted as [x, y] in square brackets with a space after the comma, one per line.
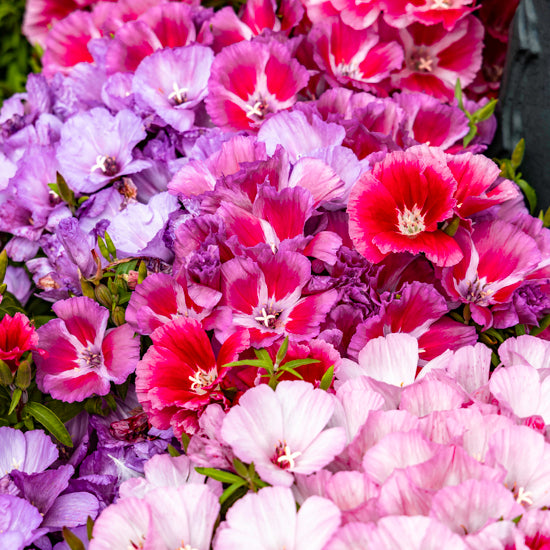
[71, 510]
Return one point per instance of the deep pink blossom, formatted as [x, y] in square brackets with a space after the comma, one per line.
[179, 374]
[81, 357]
[17, 336]
[397, 207]
[268, 81]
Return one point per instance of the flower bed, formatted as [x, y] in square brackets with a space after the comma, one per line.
[261, 287]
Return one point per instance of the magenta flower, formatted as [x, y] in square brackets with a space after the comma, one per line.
[397, 207]
[179, 374]
[268, 519]
[269, 81]
[82, 358]
[266, 297]
[17, 336]
[283, 431]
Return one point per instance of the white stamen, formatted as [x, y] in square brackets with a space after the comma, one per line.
[441, 4]
[201, 379]
[524, 496]
[425, 64]
[410, 222]
[289, 457]
[265, 318]
[256, 109]
[179, 94]
[100, 163]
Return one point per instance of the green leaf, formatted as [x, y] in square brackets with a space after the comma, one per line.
[247, 362]
[3, 265]
[470, 135]
[529, 193]
[546, 218]
[110, 245]
[240, 468]
[281, 353]
[543, 325]
[50, 421]
[458, 94]
[326, 381]
[65, 192]
[295, 373]
[495, 334]
[485, 112]
[219, 475]
[172, 451]
[495, 360]
[517, 155]
[295, 363]
[185, 439]
[72, 540]
[231, 489]
[264, 356]
[63, 410]
[15, 398]
[520, 330]
[89, 527]
[142, 272]
[6, 376]
[10, 305]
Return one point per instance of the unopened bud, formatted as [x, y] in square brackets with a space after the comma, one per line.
[3, 265]
[103, 296]
[452, 226]
[23, 376]
[87, 288]
[6, 376]
[118, 316]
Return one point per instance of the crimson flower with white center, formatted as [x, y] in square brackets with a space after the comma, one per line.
[397, 207]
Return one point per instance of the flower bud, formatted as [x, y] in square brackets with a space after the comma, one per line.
[103, 296]
[118, 316]
[23, 376]
[6, 376]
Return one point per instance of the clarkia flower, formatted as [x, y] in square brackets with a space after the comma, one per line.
[397, 207]
[96, 148]
[17, 336]
[283, 431]
[269, 81]
[82, 358]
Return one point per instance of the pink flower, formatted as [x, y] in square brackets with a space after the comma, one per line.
[268, 519]
[82, 358]
[268, 81]
[283, 431]
[436, 57]
[179, 374]
[397, 207]
[17, 336]
[355, 57]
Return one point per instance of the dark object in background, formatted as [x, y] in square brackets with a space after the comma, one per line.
[524, 109]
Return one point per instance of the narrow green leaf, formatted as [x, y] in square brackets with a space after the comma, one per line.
[485, 112]
[529, 193]
[240, 468]
[3, 265]
[64, 190]
[142, 272]
[295, 373]
[517, 155]
[281, 353]
[295, 363]
[520, 330]
[72, 540]
[172, 451]
[15, 398]
[326, 380]
[231, 489]
[495, 360]
[247, 362]
[23, 375]
[103, 248]
[6, 376]
[494, 333]
[50, 421]
[470, 135]
[110, 245]
[546, 218]
[89, 527]
[185, 439]
[219, 475]
[264, 356]
[458, 94]
[54, 188]
[543, 325]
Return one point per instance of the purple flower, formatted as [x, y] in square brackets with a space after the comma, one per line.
[173, 82]
[96, 148]
[19, 523]
[78, 245]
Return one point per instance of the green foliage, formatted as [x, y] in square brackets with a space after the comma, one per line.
[17, 57]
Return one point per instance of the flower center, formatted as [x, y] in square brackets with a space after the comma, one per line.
[283, 458]
[268, 316]
[441, 4]
[201, 379]
[258, 110]
[179, 95]
[476, 292]
[410, 222]
[136, 546]
[90, 358]
[106, 164]
[351, 70]
[422, 61]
